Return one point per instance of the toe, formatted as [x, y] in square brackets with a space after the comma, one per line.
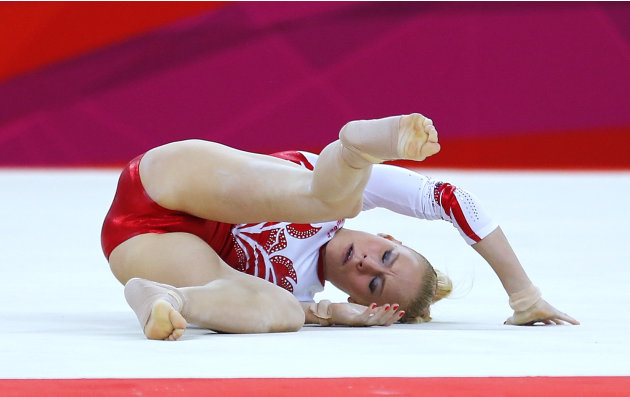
[177, 334]
[164, 322]
[433, 135]
[431, 148]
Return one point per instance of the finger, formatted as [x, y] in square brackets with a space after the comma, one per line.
[392, 319]
[568, 319]
[395, 315]
[384, 315]
[552, 321]
[360, 318]
[369, 311]
[377, 314]
[368, 314]
[562, 316]
[392, 316]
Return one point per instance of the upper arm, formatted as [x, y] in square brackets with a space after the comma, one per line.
[400, 190]
[409, 193]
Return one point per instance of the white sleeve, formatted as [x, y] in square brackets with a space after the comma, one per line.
[409, 193]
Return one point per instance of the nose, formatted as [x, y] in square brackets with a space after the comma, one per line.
[368, 265]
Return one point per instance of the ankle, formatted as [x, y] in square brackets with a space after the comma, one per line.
[356, 159]
[175, 298]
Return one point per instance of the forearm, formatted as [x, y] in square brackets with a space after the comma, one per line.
[496, 250]
[525, 299]
[326, 313]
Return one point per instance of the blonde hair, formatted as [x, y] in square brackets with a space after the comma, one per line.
[435, 286]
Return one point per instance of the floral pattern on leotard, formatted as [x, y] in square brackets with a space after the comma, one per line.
[259, 248]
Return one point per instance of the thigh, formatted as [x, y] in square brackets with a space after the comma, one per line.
[178, 259]
[214, 181]
[214, 291]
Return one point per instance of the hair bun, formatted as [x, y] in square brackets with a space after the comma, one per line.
[444, 286]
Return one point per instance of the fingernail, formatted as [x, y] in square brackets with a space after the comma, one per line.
[402, 313]
[386, 307]
[395, 307]
[373, 306]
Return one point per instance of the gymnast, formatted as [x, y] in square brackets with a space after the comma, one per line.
[239, 242]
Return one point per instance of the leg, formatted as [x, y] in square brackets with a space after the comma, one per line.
[216, 182]
[220, 298]
[366, 142]
[213, 181]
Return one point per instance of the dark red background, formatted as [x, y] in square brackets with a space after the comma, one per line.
[509, 85]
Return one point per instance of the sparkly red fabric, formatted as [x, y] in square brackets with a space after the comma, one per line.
[133, 213]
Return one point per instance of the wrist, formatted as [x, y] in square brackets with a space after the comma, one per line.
[321, 312]
[524, 299]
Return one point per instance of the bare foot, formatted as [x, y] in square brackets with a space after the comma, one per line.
[409, 137]
[157, 307]
[164, 323]
[417, 137]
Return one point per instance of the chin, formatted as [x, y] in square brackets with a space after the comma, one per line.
[359, 302]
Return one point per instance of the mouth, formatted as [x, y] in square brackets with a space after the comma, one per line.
[349, 252]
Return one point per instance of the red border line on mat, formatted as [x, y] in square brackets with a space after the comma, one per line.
[329, 387]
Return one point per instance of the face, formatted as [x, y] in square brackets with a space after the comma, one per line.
[372, 268]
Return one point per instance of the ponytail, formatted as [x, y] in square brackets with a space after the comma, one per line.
[435, 286]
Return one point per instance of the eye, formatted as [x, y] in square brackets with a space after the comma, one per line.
[386, 255]
[374, 284]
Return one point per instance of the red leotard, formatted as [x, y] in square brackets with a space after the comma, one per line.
[133, 212]
[282, 253]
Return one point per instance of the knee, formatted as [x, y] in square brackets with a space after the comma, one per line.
[294, 319]
[289, 316]
[117, 265]
[355, 208]
[348, 209]
[176, 150]
[348, 128]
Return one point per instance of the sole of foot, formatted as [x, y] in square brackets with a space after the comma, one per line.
[165, 323]
[417, 137]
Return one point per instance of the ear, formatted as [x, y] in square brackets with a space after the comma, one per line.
[390, 238]
[351, 300]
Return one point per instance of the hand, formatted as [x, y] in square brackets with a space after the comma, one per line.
[355, 315]
[541, 312]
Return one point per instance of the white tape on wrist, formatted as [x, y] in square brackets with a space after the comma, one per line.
[525, 299]
[320, 310]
